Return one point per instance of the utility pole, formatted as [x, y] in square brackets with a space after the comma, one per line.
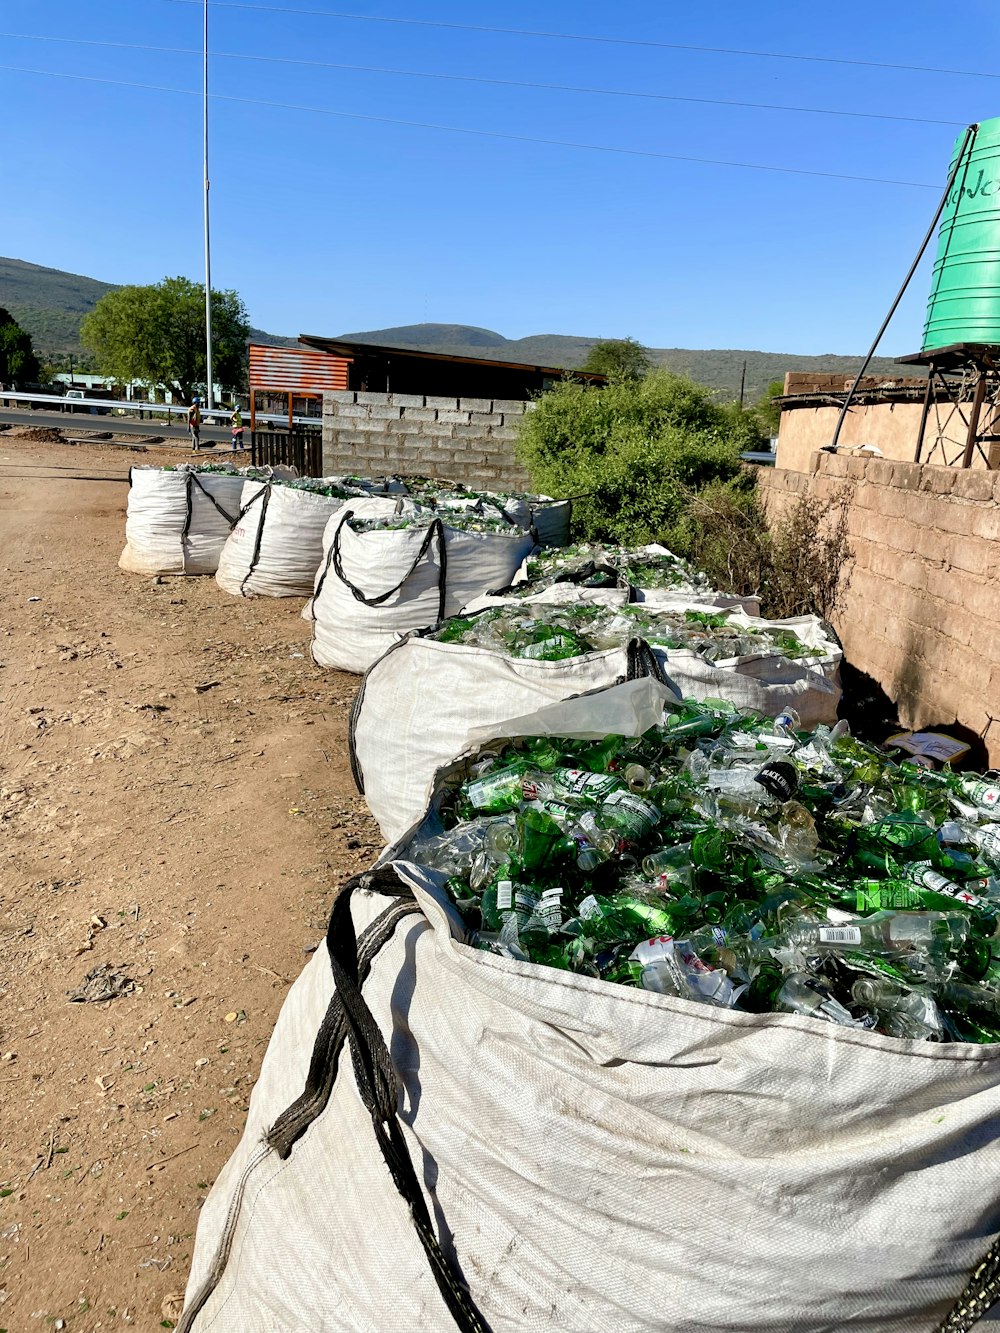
[743, 384]
[209, 398]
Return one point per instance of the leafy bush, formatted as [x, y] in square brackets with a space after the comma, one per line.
[657, 460]
[632, 451]
[798, 564]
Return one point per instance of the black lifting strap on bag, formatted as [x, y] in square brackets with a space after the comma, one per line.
[434, 530]
[264, 496]
[192, 481]
[982, 1291]
[376, 1081]
[642, 661]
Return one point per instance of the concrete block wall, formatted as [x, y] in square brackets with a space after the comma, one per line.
[922, 614]
[470, 440]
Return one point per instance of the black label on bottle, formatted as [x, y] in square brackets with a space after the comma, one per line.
[779, 779]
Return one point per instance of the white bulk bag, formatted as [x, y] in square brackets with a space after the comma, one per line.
[277, 542]
[768, 683]
[555, 594]
[420, 704]
[550, 519]
[178, 521]
[670, 599]
[375, 586]
[568, 1154]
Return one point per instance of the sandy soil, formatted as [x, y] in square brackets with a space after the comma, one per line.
[175, 803]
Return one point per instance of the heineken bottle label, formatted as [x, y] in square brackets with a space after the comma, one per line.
[988, 842]
[906, 834]
[589, 908]
[578, 783]
[839, 935]
[887, 895]
[923, 873]
[983, 793]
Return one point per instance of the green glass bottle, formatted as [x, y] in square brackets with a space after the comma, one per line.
[498, 790]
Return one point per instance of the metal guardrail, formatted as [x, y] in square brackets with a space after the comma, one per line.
[124, 406]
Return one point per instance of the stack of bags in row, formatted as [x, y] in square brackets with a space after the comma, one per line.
[388, 565]
[521, 721]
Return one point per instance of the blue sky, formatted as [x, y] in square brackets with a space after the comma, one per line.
[329, 224]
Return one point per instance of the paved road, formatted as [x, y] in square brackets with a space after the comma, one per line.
[71, 422]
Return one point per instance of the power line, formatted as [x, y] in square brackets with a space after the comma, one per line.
[480, 79]
[464, 129]
[584, 37]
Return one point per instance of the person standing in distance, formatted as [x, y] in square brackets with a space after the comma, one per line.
[194, 423]
[236, 421]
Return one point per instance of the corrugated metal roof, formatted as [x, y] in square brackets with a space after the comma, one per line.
[337, 347]
[295, 370]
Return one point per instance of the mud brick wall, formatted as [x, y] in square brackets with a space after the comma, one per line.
[470, 440]
[922, 614]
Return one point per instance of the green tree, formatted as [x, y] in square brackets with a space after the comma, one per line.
[18, 363]
[618, 358]
[156, 334]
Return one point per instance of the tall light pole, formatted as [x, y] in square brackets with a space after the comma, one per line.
[209, 392]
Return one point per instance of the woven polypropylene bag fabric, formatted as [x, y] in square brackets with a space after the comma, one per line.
[602, 1157]
[276, 547]
[419, 705]
[178, 522]
[350, 634]
[596, 1156]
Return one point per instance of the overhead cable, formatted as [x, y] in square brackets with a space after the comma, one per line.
[464, 129]
[480, 79]
[587, 37]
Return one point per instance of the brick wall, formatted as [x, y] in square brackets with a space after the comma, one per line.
[922, 614]
[463, 439]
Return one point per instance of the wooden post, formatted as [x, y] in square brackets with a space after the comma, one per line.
[290, 426]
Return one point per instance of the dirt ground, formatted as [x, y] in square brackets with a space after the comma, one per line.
[176, 806]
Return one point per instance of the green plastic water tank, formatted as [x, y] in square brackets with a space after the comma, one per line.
[964, 305]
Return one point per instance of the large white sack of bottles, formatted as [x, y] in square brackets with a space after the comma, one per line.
[179, 518]
[547, 519]
[277, 540]
[385, 574]
[514, 657]
[565, 1153]
[615, 574]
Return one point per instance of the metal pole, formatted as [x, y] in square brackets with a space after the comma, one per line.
[977, 407]
[960, 161]
[209, 399]
[924, 413]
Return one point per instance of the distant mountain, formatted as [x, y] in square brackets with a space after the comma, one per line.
[720, 370]
[50, 304]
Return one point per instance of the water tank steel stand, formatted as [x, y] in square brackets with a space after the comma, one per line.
[963, 380]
